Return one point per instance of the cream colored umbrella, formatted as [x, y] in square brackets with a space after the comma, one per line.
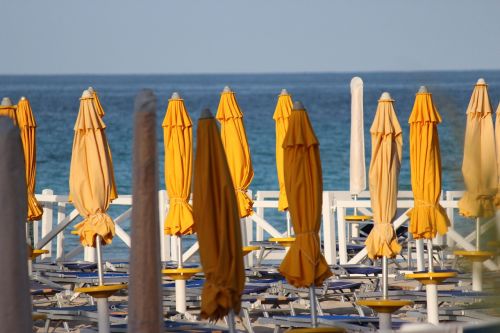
[357, 169]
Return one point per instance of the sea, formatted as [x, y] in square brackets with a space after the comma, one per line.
[326, 96]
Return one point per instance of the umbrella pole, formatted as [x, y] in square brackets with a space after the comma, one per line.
[230, 321]
[477, 266]
[102, 303]
[385, 278]
[478, 233]
[431, 290]
[312, 300]
[180, 285]
[355, 226]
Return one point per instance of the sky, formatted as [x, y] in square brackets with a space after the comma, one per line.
[254, 36]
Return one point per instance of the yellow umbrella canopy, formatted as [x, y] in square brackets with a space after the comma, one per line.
[100, 112]
[90, 175]
[8, 110]
[178, 141]
[215, 210]
[479, 166]
[281, 115]
[427, 217]
[497, 140]
[303, 265]
[387, 146]
[234, 140]
[27, 126]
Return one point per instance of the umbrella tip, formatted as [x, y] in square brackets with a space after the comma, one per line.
[6, 101]
[226, 89]
[145, 101]
[86, 94]
[206, 114]
[481, 81]
[422, 90]
[175, 95]
[91, 89]
[385, 96]
[22, 98]
[297, 105]
[284, 92]
[356, 80]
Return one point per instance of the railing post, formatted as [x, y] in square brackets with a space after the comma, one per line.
[451, 216]
[247, 236]
[61, 215]
[47, 219]
[342, 241]
[260, 211]
[164, 239]
[329, 233]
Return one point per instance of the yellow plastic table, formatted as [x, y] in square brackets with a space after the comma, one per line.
[357, 218]
[384, 305]
[284, 241]
[180, 273]
[431, 277]
[101, 291]
[318, 330]
[475, 256]
[35, 253]
[38, 316]
[248, 249]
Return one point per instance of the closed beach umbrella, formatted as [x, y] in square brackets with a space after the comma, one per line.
[234, 140]
[8, 110]
[90, 175]
[281, 115]
[215, 210]
[27, 125]
[100, 112]
[479, 166]
[387, 146]
[303, 265]
[497, 139]
[427, 217]
[357, 169]
[15, 303]
[178, 141]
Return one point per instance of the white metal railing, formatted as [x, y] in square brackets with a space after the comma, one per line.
[335, 232]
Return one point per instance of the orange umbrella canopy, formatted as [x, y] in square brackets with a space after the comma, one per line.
[281, 115]
[98, 105]
[479, 166]
[8, 110]
[387, 148]
[303, 265]
[90, 175]
[178, 141]
[234, 140]
[427, 217]
[497, 140]
[27, 126]
[216, 217]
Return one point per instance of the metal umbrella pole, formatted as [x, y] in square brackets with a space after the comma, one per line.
[230, 321]
[385, 321]
[288, 224]
[102, 302]
[477, 266]
[312, 300]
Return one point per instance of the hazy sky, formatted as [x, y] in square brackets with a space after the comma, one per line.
[203, 36]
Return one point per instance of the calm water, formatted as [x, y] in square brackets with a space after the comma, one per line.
[55, 101]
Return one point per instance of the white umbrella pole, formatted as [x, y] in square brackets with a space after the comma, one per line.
[230, 321]
[477, 266]
[431, 291]
[312, 300]
[180, 285]
[102, 303]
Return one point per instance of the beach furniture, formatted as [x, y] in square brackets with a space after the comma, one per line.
[90, 192]
[304, 265]
[427, 217]
[385, 165]
[145, 308]
[178, 142]
[479, 169]
[357, 168]
[15, 303]
[280, 116]
[217, 217]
